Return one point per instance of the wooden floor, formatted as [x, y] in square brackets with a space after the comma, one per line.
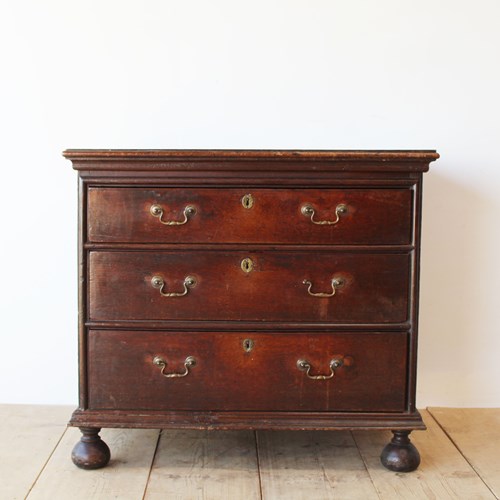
[460, 459]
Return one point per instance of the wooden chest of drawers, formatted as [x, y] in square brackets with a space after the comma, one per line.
[249, 290]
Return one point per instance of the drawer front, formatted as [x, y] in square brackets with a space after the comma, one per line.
[368, 371]
[354, 216]
[270, 286]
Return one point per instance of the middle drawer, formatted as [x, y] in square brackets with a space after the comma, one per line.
[332, 287]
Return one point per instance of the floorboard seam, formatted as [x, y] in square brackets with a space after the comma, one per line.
[45, 463]
[448, 435]
[258, 463]
[365, 465]
[160, 432]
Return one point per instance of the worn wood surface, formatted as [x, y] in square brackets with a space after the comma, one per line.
[205, 465]
[423, 155]
[28, 436]
[370, 375]
[374, 287]
[122, 215]
[240, 420]
[476, 433]
[190, 464]
[443, 472]
[360, 271]
[316, 465]
[126, 476]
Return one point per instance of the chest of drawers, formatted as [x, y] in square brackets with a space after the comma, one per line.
[248, 290]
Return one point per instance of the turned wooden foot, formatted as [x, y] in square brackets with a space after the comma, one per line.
[400, 455]
[91, 452]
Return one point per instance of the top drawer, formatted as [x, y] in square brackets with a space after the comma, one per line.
[287, 216]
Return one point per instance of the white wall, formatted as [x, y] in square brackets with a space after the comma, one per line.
[261, 74]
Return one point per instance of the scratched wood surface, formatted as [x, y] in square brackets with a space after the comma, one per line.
[459, 454]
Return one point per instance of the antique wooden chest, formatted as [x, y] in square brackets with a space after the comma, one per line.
[248, 290]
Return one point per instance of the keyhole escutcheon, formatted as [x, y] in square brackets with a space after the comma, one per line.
[247, 201]
[247, 265]
[248, 345]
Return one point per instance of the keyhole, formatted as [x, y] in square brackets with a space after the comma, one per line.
[248, 345]
[247, 265]
[247, 201]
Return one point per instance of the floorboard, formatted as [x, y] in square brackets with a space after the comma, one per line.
[443, 473]
[206, 465]
[317, 465]
[125, 477]
[476, 433]
[28, 435]
[459, 451]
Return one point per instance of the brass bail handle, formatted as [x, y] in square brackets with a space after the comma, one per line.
[336, 283]
[157, 211]
[161, 363]
[159, 282]
[304, 366]
[308, 211]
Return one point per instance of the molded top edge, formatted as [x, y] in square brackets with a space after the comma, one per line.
[249, 154]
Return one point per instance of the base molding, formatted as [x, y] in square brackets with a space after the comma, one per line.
[246, 420]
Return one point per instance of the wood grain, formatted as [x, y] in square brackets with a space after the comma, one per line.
[239, 420]
[122, 374]
[28, 436]
[126, 475]
[205, 465]
[316, 465]
[476, 433]
[219, 465]
[375, 286]
[251, 154]
[443, 473]
[373, 216]
[373, 251]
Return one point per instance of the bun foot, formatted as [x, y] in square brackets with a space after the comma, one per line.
[91, 452]
[400, 455]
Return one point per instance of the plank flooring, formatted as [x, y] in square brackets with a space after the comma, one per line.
[476, 432]
[460, 460]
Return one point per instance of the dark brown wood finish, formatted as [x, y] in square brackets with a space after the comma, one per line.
[374, 286]
[226, 376]
[91, 452]
[82, 291]
[237, 420]
[400, 455]
[371, 320]
[366, 158]
[372, 216]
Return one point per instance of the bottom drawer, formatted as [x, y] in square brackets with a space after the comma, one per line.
[252, 371]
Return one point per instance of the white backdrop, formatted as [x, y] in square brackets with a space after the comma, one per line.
[262, 74]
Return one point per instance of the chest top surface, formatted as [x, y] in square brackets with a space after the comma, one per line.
[166, 159]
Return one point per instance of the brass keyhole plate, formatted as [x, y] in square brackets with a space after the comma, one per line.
[247, 201]
[247, 265]
[248, 345]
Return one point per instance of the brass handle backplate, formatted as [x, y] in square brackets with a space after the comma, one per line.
[159, 282]
[308, 211]
[189, 362]
[157, 211]
[336, 283]
[304, 366]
